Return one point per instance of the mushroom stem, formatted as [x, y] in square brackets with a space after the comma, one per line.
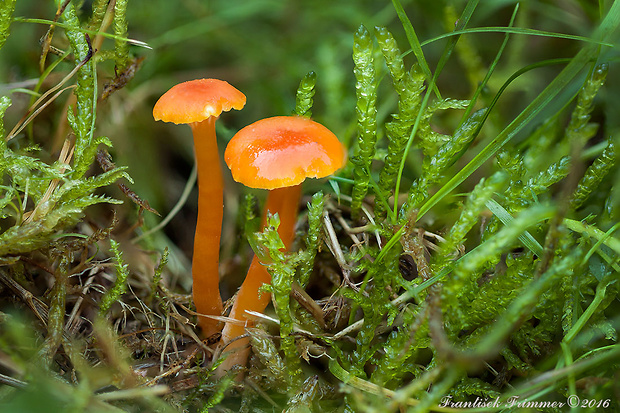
[285, 202]
[205, 262]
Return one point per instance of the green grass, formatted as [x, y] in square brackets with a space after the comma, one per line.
[468, 250]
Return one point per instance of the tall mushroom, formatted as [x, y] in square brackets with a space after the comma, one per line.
[277, 154]
[199, 103]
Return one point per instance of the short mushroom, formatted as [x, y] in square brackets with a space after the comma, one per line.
[277, 154]
[199, 103]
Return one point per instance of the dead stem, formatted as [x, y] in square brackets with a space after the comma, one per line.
[64, 158]
[37, 306]
[73, 322]
[372, 226]
[334, 247]
[34, 112]
[10, 381]
[175, 368]
[46, 40]
[105, 23]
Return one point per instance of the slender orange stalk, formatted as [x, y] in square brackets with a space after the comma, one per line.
[283, 201]
[205, 262]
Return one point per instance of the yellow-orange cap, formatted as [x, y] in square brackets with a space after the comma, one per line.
[197, 100]
[283, 151]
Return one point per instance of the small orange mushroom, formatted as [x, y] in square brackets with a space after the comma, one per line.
[278, 154]
[199, 103]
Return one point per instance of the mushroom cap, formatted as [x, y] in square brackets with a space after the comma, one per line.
[197, 100]
[283, 151]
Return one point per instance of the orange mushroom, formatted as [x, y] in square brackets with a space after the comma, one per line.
[278, 154]
[199, 103]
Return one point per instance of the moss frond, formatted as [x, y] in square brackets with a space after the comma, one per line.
[470, 215]
[409, 85]
[305, 93]
[436, 164]
[313, 238]
[6, 17]
[594, 175]
[366, 110]
[282, 270]
[113, 294]
[579, 128]
[121, 48]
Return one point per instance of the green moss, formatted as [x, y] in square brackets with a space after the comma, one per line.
[305, 92]
[594, 175]
[366, 110]
[119, 287]
[409, 85]
[6, 17]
